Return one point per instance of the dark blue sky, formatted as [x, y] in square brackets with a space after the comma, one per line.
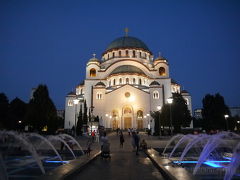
[51, 41]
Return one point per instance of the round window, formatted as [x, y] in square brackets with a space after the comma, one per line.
[127, 94]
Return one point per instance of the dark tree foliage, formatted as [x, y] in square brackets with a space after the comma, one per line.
[214, 109]
[17, 111]
[180, 113]
[41, 111]
[85, 116]
[80, 122]
[4, 107]
[178, 110]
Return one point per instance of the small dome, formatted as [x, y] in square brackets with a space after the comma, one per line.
[100, 84]
[94, 60]
[127, 42]
[154, 83]
[127, 69]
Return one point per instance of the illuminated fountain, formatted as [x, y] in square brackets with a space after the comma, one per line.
[196, 153]
[29, 155]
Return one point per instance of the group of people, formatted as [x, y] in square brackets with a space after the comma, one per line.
[135, 140]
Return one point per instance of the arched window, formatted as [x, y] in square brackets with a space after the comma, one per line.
[81, 91]
[127, 80]
[109, 83]
[140, 54]
[134, 53]
[134, 80]
[162, 71]
[187, 101]
[108, 56]
[139, 114]
[140, 81]
[155, 95]
[114, 82]
[126, 52]
[120, 53]
[70, 102]
[127, 110]
[113, 54]
[120, 81]
[99, 95]
[92, 72]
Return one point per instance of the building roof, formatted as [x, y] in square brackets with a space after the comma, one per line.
[100, 84]
[184, 91]
[127, 42]
[127, 69]
[154, 83]
[94, 59]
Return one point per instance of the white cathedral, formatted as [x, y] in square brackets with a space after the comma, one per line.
[124, 86]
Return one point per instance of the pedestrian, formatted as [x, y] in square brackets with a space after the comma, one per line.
[133, 141]
[129, 131]
[143, 144]
[121, 139]
[89, 144]
[93, 135]
[136, 141]
[103, 139]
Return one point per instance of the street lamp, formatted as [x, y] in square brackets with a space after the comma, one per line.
[92, 118]
[226, 116]
[75, 102]
[170, 101]
[159, 109]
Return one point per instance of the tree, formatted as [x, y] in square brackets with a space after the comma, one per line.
[85, 116]
[214, 109]
[80, 122]
[178, 111]
[41, 111]
[4, 107]
[156, 116]
[17, 111]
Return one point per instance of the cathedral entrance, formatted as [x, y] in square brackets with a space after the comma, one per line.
[127, 122]
[115, 124]
[140, 124]
[127, 117]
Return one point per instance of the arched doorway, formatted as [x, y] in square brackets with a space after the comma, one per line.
[140, 119]
[115, 121]
[127, 117]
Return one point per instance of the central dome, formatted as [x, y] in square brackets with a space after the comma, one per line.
[127, 69]
[127, 42]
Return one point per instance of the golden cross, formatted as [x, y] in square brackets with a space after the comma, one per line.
[126, 31]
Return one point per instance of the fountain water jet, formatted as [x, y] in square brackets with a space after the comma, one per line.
[171, 140]
[47, 142]
[234, 164]
[79, 146]
[29, 147]
[182, 140]
[56, 138]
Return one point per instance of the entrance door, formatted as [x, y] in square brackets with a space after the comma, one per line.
[140, 124]
[127, 122]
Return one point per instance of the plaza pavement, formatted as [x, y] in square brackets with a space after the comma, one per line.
[124, 163]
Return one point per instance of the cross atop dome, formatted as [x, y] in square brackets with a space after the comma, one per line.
[126, 31]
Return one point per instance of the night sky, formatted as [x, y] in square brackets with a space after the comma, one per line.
[50, 42]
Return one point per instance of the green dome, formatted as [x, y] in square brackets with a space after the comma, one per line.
[127, 42]
[127, 69]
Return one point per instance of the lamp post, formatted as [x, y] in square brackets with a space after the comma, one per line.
[159, 109]
[226, 116]
[75, 101]
[170, 101]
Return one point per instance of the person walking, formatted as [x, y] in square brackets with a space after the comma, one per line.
[136, 141]
[103, 139]
[121, 139]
